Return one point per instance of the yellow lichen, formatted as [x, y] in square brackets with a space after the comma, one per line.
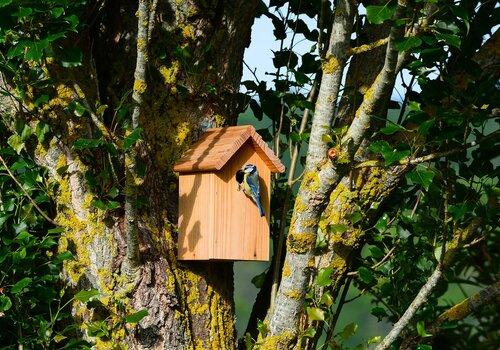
[277, 342]
[300, 243]
[330, 65]
[170, 74]
[286, 270]
[140, 86]
[294, 294]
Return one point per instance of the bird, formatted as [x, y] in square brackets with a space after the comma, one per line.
[248, 181]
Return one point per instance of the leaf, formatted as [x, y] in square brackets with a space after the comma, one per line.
[355, 217]
[131, 139]
[4, 3]
[136, 317]
[391, 129]
[262, 328]
[315, 314]
[422, 176]
[23, 12]
[41, 130]
[79, 109]
[365, 275]
[15, 141]
[258, 281]
[71, 57]
[379, 313]
[374, 340]
[379, 14]
[86, 295]
[421, 330]
[408, 43]
[82, 144]
[338, 228]
[326, 299]
[20, 285]
[348, 331]
[285, 58]
[376, 252]
[381, 224]
[437, 252]
[324, 276]
[450, 39]
[113, 192]
[67, 255]
[310, 332]
[57, 12]
[35, 50]
[424, 347]
[458, 211]
[5, 303]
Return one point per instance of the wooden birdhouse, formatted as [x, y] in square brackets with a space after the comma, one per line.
[216, 221]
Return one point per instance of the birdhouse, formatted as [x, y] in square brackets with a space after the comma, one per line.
[216, 220]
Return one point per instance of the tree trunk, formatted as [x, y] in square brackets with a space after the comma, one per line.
[193, 70]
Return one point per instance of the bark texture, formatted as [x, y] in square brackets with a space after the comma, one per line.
[190, 305]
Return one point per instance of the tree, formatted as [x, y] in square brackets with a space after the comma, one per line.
[107, 102]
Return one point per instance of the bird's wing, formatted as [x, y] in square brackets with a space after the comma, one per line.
[254, 186]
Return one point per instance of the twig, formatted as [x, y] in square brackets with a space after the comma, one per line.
[45, 216]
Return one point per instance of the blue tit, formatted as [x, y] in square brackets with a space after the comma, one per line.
[248, 180]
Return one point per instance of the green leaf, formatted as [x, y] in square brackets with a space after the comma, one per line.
[79, 109]
[315, 314]
[391, 129]
[131, 139]
[23, 12]
[379, 312]
[338, 228]
[450, 39]
[424, 347]
[57, 12]
[41, 130]
[15, 141]
[422, 176]
[35, 50]
[5, 303]
[355, 217]
[136, 317]
[366, 275]
[262, 328]
[71, 57]
[86, 295]
[113, 192]
[20, 285]
[374, 340]
[376, 252]
[324, 276]
[82, 144]
[408, 43]
[258, 280]
[381, 224]
[437, 252]
[458, 211]
[310, 332]
[421, 330]
[4, 3]
[348, 331]
[326, 299]
[67, 255]
[379, 14]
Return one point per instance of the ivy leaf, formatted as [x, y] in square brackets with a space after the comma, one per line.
[86, 295]
[379, 14]
[391, 129]
[82, 144]
[365, 275]
[379, 313]
[136, 317]
[324, 276]
[131, 139]
[285, 58]
[35, 50]
[15, 141]
[338, 228]
[422, 176]
[20, 285]
[310, 332]
[315, 314]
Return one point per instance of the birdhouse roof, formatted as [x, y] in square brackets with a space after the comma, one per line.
[216, 147]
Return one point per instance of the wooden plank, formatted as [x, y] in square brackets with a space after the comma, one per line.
[196, 213]
[239, 231]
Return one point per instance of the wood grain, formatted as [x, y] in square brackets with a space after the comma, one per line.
[217, 146]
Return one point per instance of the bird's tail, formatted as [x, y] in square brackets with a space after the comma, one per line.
[259, 205]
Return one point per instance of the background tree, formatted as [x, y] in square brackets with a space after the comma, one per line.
[399, 198]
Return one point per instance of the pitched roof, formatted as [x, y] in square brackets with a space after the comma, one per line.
[216, 146]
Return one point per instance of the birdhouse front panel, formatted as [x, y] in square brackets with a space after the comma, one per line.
[240, 232]
[224, 196]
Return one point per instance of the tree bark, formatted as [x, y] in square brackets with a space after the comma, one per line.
[188, 80]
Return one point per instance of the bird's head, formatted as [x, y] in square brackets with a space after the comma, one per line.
[249, 168]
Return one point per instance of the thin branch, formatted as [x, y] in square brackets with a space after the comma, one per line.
[132, 258]
[45, 216]
[457, 243]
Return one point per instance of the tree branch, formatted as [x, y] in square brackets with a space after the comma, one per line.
[132, 180]
[457, 242]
